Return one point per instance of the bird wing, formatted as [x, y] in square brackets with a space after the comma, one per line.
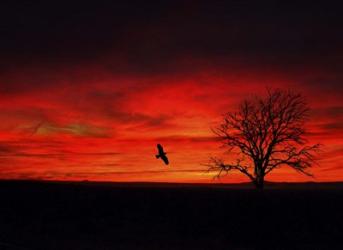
[160, 149]
[165, 159]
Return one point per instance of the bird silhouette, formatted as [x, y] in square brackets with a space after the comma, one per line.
[161, 154]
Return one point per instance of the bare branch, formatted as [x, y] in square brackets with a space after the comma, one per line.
[217, 165]
[268, 131]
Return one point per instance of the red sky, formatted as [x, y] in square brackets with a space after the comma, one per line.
[90, 124]
[87, 93]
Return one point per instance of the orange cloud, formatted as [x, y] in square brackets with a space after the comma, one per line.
[71, 127]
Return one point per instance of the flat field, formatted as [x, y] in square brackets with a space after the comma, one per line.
[62, 216]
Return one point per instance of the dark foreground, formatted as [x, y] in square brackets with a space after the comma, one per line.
[114, 216]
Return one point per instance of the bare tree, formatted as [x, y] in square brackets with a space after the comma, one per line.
[266, 133]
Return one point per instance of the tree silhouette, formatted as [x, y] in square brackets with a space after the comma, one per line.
[266, 133]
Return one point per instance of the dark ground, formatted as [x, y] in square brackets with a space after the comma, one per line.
[43, 215]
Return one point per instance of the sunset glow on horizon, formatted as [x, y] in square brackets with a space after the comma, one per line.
[69, 115]
[107, 129]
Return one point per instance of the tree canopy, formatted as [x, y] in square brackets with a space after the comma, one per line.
[266, 133]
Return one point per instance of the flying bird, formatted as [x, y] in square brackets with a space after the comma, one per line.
[161, 154]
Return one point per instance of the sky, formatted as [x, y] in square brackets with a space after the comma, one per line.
[87, 90]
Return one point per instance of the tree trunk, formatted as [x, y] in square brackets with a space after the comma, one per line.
[259, 175]
[259, 182]
[259, 185]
